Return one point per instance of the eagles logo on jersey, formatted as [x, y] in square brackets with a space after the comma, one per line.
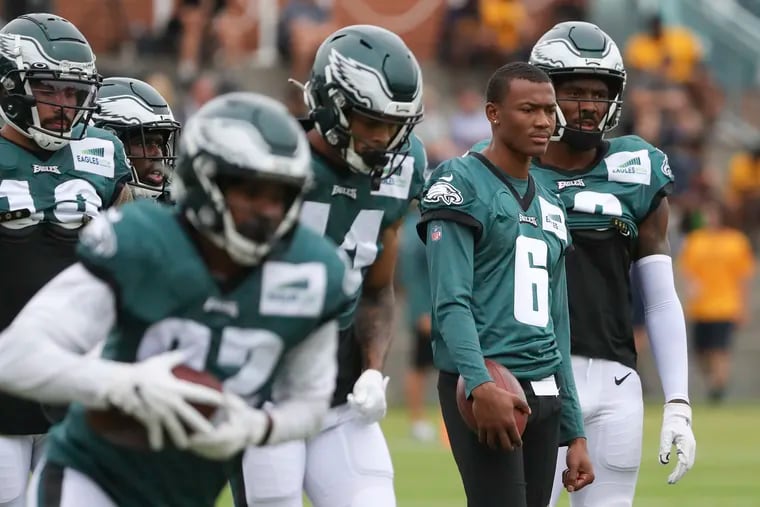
[444, 192]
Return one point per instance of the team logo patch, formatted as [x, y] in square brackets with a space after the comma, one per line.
[435, 233]
[93, 155]
[629, 167]
[443, 192]
[553, 219]
[293, 290]
[665, 168]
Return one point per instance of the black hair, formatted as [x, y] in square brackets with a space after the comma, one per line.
[498, 85]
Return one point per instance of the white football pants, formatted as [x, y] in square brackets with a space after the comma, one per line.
[18, 456]
[54, 486]
[346, 465]
[613, 415]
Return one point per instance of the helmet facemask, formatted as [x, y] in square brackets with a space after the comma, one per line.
[23, 92]
[221, 147]
[215, 221]
[578, 138]
[332, 112]
[151, 173]
[579, 50]
[142, 119]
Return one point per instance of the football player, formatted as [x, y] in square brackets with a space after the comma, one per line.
[365, 97]
[142, 119]
[615, 192]
[226, 282]
[496, 244]
[56, 173]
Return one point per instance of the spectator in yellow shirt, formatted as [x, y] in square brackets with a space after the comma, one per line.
[673, 51]
[744, 190]
[717, 263]
[504, 18]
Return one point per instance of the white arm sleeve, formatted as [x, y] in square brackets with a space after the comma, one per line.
[665, 324]
[302, 390]
[43, 353]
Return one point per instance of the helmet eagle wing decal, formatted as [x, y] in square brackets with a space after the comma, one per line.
[542, 54]
[126, 109]
[23, 50]
[363, 82]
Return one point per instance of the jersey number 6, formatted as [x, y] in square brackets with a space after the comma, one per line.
[531, 282]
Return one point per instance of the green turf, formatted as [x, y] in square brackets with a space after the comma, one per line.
[725, 474]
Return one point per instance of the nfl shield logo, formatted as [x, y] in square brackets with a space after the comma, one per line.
[435, 233]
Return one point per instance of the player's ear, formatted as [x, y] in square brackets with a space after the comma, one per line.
[492, 113]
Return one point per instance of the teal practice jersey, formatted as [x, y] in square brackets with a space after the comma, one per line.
[168, 299]
[606, 204]
[343, 207]
[625, 185]
[520, 244]
[618, 191]
[66, 187]
[511, 306]
[45, 198]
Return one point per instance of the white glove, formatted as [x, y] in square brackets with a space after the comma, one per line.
[149, 392]
[242, 426]
[676, 430]
[368, 396]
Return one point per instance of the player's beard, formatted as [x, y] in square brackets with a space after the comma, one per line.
[64, 124]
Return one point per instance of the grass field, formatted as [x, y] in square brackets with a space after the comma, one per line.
[726, 473]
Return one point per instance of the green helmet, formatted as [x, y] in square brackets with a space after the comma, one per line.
[46, 50]
[133, 109]
[232, 137]
[367, 70]
[573, 50]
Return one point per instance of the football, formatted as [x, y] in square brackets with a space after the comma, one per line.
[122, 429]
[505, 380]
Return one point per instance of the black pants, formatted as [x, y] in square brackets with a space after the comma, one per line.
[496, 478]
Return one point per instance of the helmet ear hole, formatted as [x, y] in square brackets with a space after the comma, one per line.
[324, 117]
[14, 104]
[329, 102]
